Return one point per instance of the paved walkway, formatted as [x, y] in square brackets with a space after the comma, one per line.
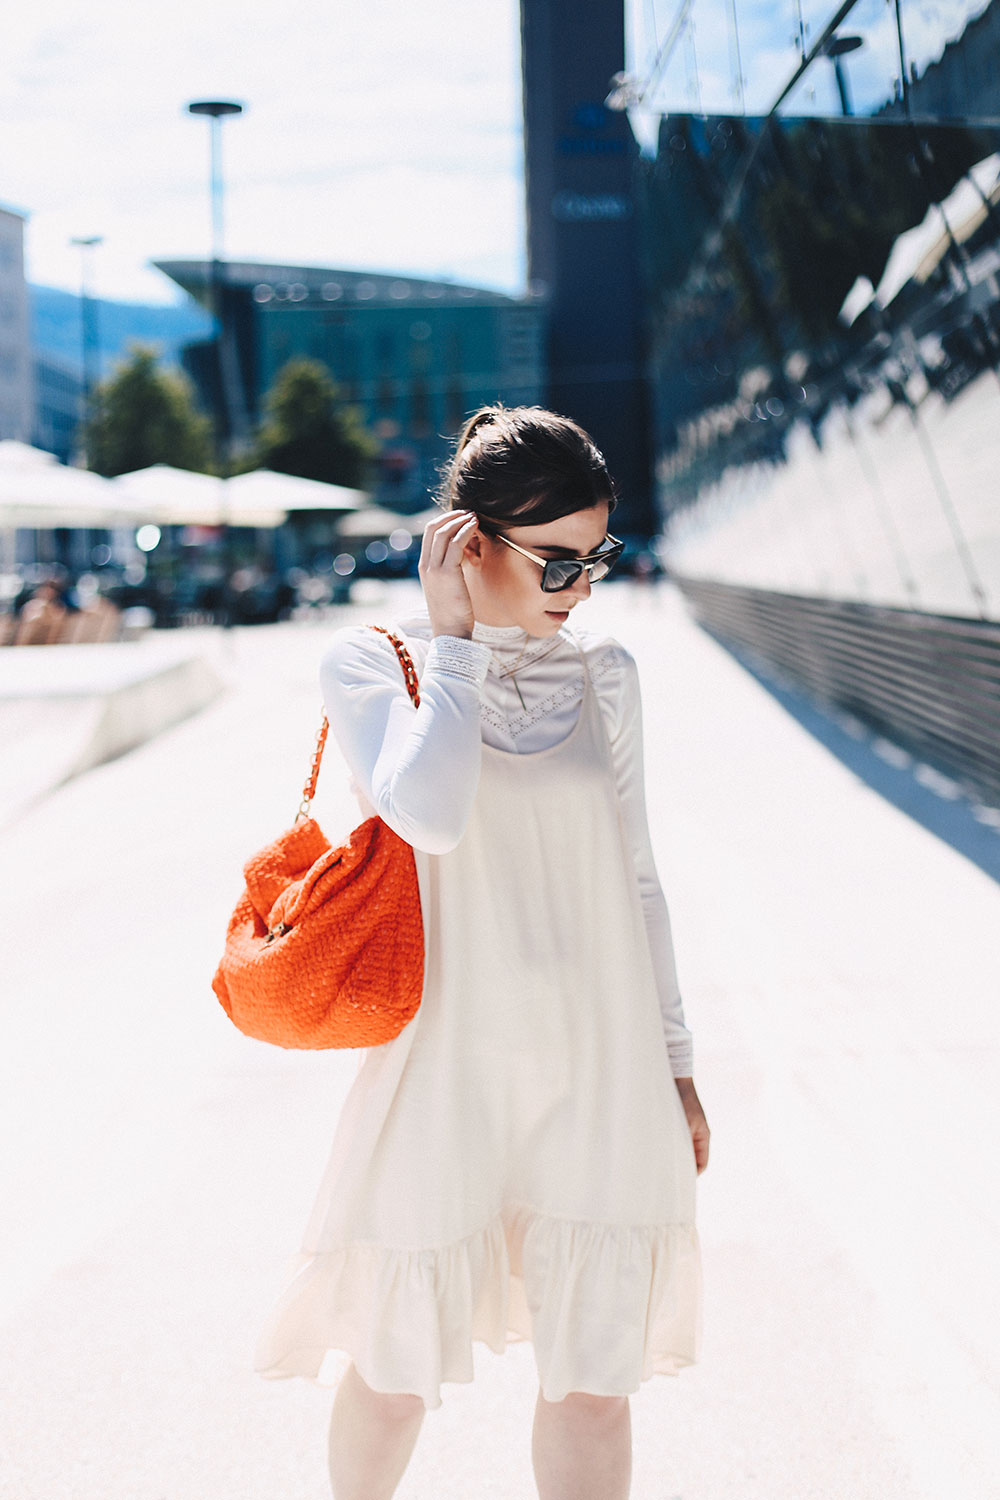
[65, 708]
[840, 972]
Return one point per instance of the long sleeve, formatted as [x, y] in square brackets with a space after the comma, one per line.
[625, 732]
[418, 768]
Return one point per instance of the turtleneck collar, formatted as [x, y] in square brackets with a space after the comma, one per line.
[504, 641]
[512, 648]
[499, 637]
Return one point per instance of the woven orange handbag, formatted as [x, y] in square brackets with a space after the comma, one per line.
[325, 947]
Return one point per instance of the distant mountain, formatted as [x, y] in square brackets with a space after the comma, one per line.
[56, 327]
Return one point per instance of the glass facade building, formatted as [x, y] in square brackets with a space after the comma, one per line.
[823, 304]
[415, 355]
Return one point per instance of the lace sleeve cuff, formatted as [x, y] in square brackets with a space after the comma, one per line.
[681, 1056]
[457, 657]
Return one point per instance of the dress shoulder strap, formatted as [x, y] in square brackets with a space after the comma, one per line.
[588, 681]
[591, 704]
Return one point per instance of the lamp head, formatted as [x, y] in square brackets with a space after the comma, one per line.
[215, 107]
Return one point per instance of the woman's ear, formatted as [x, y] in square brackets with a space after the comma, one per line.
[474, 550]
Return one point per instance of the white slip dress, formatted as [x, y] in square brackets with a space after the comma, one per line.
[517, 1163]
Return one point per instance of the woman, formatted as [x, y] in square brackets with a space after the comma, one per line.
[520, 1162]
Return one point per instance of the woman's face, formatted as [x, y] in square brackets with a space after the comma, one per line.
[506, 587]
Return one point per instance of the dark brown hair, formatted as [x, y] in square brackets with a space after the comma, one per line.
[523, 466]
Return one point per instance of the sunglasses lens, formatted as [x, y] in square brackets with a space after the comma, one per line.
[559, 575]
[603, 568]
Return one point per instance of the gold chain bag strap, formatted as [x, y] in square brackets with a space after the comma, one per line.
[325, 947]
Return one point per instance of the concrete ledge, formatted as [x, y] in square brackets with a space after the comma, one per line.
[66, 708]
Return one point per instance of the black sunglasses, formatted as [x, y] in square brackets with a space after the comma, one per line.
[560, 572]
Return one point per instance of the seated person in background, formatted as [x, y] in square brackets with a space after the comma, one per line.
[97, 619]
[42, 617]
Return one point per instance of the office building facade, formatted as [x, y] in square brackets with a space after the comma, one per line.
[58, 408]
[16, 370]
[584, 230]
[416, 355]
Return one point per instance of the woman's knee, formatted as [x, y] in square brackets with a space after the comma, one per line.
[589, 1410]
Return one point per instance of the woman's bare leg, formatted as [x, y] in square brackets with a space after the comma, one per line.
[372, 1436]
[581, 1447]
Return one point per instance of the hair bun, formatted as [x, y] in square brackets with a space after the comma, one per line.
[484, 417]
[535, 466]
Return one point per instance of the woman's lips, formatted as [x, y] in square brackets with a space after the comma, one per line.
[558, 614]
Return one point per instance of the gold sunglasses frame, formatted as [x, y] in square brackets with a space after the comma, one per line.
[587, 562]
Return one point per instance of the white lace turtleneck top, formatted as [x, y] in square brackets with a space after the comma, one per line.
[419, 771]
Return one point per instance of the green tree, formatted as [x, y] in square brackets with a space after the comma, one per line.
[308, 430]
[144, 415]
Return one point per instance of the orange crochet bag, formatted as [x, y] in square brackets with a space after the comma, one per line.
[325, 947]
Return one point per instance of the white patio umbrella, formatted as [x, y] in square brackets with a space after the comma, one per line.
[16, 455]
[180, 497]
[266, 488]
[171, 497]
[42, 495]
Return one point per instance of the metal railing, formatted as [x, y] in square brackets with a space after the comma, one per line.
[930, 682]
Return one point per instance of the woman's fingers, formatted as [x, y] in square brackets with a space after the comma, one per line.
[441, 552]
[457, 543]
[449, 540]
[700, 1137]
[697, 1123]
[445, 538]
[443, 527]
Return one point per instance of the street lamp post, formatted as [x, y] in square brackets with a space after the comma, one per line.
[216, 110]
[89, 330]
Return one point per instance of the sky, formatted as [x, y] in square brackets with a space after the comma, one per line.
[384, 136]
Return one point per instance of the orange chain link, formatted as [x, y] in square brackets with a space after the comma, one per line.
[410, 678]
[405, 661]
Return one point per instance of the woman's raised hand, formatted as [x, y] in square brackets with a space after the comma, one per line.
[440, 569]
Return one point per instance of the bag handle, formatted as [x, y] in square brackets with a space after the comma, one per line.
[412, 687]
